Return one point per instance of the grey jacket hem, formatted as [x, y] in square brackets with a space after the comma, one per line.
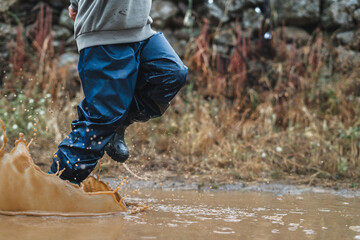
[91, 39]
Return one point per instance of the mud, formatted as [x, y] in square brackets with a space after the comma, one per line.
[205, 215]
[26, 190]
[178, 184]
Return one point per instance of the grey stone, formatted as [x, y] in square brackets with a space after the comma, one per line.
[61, 33]
[289, 47]
[182, 34]
[65, 20]
[298, 34]
[70, 41]
[346, 58]
[226, 38]
[5, 5]
[162, 12]
[6, 31]
[71, 49]
[357, 15]
[298, 12]
[355, 41]
[4, 55]
[237, 6]
[212, 12]
[223, 50]
[345, 38]
[68, 58]
[56, 45]
[251, 19]
[336, 13]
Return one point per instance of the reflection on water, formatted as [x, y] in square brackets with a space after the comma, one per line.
[214, 215]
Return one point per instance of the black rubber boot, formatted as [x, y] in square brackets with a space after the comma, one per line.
[116, 148]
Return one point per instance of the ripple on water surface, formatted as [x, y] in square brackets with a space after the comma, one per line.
[194, 215]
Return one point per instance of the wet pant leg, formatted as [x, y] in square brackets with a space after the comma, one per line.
[161, 76]
[122, 83]
[108, 75]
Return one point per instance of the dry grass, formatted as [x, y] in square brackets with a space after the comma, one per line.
[202, 137]
[297, 121]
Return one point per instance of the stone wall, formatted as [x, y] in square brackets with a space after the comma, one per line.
[178, 19]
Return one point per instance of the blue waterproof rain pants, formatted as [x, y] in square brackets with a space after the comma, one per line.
[122, 83]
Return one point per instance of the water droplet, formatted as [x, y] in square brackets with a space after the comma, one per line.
[267, 35]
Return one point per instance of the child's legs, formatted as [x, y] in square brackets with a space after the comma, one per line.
[161, 76]
[108, 75]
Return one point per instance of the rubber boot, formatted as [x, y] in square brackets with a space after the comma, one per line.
[116, 148]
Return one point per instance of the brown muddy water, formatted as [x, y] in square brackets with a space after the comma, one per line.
[270, 211]
[190, 214]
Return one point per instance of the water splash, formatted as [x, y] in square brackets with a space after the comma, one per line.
[29, 191]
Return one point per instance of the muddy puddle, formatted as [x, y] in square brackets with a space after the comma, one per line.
[96, 210]
[205, 215]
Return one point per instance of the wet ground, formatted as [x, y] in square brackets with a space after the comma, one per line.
[277, 212]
